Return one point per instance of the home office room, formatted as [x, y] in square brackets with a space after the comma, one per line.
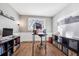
[39, 29]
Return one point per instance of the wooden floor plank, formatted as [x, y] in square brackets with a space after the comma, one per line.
[26, 50]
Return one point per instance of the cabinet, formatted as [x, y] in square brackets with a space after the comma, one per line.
[68, 46]
[7, 46]
[16, 43]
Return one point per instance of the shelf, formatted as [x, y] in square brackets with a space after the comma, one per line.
[65, 45]
[8, 47]
[6, 16]
[73, 50]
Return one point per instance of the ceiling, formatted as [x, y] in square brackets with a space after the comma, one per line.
[38, 9]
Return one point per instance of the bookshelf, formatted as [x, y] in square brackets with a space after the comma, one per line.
[68, 46]
[7, 46]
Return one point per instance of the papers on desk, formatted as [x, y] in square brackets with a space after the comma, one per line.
[41, 33]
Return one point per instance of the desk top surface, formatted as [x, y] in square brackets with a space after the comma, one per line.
[40, 34]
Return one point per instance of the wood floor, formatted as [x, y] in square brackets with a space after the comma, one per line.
[26, 50]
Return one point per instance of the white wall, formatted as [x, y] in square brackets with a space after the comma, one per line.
[5, 22]
[70, 10]
[25, 34]
[24, 23]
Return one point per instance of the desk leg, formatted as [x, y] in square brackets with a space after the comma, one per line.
[41, 42]
[45, 45]
[33, 42]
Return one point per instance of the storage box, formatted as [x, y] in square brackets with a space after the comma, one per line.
[60, 46]
[54, 42]
[65, 50]
[72, 53]
[73, 44]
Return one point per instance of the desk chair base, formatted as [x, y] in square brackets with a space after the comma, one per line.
[41, 46]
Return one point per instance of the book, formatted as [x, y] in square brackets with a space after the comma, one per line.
[1, 50]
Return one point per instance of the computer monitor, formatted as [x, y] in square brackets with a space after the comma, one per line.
[7, 32]
[38, 26]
